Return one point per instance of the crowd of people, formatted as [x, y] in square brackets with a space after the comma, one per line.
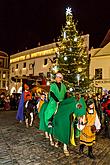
[8, 102]
[64, 116]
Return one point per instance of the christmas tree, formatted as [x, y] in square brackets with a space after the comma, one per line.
[72, 56]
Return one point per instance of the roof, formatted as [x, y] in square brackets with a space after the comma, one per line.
[3, 54]
[106, 40]
[104, 51]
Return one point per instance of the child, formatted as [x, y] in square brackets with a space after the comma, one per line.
[87, 136]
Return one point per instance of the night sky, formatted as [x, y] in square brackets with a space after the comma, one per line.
[24, 23]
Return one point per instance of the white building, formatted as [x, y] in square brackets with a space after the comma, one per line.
[100, 65]
[31, 63]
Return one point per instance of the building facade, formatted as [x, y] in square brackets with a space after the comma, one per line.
[31, 63]
[34, 63]
[4, 72]
[100, 68]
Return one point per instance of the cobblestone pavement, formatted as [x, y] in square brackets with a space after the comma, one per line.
[22, 146]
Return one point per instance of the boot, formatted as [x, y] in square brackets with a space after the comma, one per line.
[90, 154]
[81, 148]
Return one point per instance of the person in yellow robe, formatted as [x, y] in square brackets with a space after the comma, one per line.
[88, 133]
[41, 101]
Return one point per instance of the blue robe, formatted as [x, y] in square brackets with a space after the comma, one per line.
[20, 112]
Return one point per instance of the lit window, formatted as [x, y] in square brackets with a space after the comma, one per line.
[98, 73]
[4, 75]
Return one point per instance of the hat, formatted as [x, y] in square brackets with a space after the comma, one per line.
[89, 102]
[59, 75]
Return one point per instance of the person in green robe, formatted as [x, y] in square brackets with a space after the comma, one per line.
[58, 110]
[57, 94]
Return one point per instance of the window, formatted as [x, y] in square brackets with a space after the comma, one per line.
[30, 66]
[98, 73]
[4, 75]
[16, 66]
[24, 65]
[54, 59]
[13, 69]
[3, 84]
[1, 63]
[45, 61]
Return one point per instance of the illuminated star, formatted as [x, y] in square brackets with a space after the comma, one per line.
[68, 11]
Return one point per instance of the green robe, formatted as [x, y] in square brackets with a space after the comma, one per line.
[52, 105]
[42, 124]
[61, 121]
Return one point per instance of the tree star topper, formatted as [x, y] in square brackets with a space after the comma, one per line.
[68, 11]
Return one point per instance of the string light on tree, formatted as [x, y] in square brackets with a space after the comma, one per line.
[71, 89]
[75, 39]
[64, 35]
[78, 78]
[70, 49]
[65, 58]
[79, 69]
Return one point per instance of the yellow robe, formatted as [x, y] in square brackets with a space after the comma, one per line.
[86, 136]
[40, 105]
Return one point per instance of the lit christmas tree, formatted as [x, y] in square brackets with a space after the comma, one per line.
[72, 55]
